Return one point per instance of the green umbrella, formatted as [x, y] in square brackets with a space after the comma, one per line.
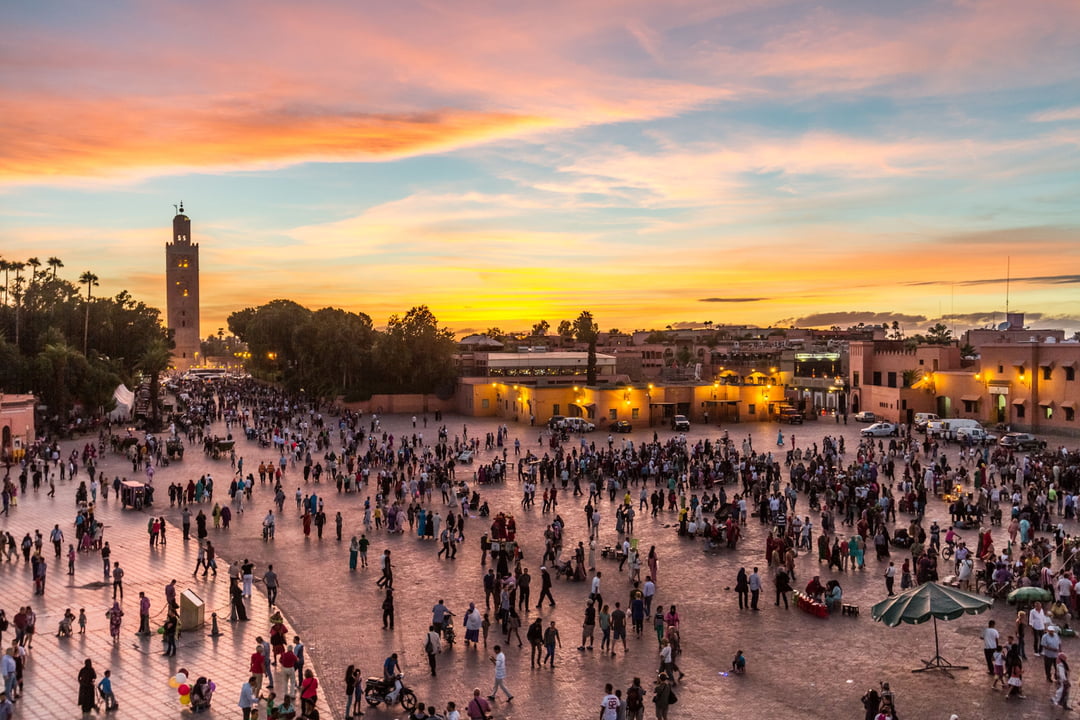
[1029, 594]
[930, 601]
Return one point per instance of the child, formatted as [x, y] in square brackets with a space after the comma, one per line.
[738, 665]
[1016, 682]
[82, 621]
[484, 627]
[105, 688]
[999, 668]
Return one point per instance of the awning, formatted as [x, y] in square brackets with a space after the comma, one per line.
[1019, 363]
[1046, 403]
[971, 398]
[1072, 364]
[1046, 364]
[584, 406]
[1019, 401]
[1069, 404]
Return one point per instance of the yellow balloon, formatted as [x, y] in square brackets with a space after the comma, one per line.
[173, 683]
[185, 699]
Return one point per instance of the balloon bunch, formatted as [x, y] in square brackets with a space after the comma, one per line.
[179, 682]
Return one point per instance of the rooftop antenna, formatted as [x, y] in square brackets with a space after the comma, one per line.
[1008, 268]
[176, 208]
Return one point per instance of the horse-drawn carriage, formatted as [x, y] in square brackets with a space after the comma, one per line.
[174, 447]
[216, 447]
[121, 445]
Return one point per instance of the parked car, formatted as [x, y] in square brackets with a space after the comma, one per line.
[577, 425]
[790, 415]
[881, 429]
[865, 416]
[1021, 441]
[680, 422]
[620, 426]
[556, 422]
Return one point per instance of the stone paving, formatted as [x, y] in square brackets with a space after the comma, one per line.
[140, 672]
[799, 666]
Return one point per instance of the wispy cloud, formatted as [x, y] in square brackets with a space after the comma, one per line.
[731, 299]
[1059, 115]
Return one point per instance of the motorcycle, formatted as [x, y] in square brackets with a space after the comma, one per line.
[379, 690]
[448, 631]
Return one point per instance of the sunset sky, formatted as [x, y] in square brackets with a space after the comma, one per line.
[656, 162]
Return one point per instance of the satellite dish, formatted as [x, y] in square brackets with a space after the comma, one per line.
[1004, 326]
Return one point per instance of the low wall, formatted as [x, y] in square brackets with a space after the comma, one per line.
[401, 404]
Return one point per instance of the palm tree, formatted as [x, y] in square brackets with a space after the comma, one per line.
[34, 263]
[6, 267]
[90, 280]
[55, 263]
[18, 268]
[155, 360]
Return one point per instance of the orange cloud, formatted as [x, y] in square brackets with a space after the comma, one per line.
[49, 136]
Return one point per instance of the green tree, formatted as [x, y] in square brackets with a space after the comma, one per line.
[586, 330]
[414, 354]
[155, 360]
[939, 334]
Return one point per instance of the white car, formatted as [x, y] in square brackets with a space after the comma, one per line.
[881, 429]
[865, 416]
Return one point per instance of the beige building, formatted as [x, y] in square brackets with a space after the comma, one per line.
[643, 405]
[1030, 386]
[894, 379]
[17, 430]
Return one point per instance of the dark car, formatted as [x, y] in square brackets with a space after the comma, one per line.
[1021, 441]
[790, 415]
[620, 426]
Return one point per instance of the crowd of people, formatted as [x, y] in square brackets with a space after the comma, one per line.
[822, 496]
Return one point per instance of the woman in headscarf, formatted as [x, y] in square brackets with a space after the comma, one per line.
[87, 676]
[115, 614]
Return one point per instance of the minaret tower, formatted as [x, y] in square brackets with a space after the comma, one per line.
[182, 292]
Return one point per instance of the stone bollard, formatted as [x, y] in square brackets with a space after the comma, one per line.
[214, 632]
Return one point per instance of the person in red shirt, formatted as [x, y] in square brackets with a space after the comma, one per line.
[258, 668]
[309, 692]
[288, 661]
[478, 708]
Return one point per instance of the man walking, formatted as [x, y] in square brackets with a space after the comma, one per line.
[117, 581]
[270, 582]
[551, 637]
[890, 578]
[990, 644]
[754, 581]
[499, 661]
[431, 647]
[387, 579]
[545, 588]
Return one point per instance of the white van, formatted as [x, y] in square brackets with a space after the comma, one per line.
[948, 428]
[921, 420]
[975, 436]
[577, 425]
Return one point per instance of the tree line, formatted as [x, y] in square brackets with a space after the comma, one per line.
[330, 351]
[68, 346]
